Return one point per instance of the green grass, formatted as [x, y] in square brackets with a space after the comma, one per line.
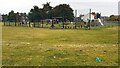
[59, 47]
[0, 44]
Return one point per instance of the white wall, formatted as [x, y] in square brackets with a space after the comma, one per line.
[0, 17]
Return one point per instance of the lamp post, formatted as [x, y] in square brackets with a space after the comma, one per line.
[75, 18]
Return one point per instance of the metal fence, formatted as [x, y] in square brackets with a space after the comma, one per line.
[62, 25]
[111, 22]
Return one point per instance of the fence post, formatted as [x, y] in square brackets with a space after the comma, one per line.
[34, 24]
[42, 24]
[29, 24]
[4, 23]
[15, 23]
[9, 23]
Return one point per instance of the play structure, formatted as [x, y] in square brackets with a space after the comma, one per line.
[99, 20]
[92, 18]
[85, 18]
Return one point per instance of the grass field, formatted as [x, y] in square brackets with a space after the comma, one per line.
[0, 44]
[25, 46]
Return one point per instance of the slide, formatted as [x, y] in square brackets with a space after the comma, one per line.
[100, 21]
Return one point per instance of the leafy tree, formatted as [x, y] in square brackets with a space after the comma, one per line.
[36, 14]
[11, 16]
[4, 18]
[18, 17]
[113, 18]
[65, 11]
[47, 9]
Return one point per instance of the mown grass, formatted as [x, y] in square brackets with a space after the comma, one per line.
[0, 44]
[59, 47]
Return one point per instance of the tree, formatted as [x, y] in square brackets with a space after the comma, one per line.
[47, 9]
[65, 11]
[5, 18]
[36, 14]
[113, 18]
[11, 16]
[18, 17]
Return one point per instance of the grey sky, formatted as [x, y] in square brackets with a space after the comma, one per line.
[105, 7]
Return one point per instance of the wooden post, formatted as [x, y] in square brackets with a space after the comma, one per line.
[42, 23]
[15, 23]
[52, 24]
[4, 23]
[29, 24]
[9, 23]
[63, 23]
[34, 24]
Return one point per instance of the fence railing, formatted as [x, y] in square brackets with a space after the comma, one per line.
[65, 25]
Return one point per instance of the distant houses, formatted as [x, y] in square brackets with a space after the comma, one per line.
[0, 18]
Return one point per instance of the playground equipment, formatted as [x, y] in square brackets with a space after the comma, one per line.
[91, 17]
[100, 21]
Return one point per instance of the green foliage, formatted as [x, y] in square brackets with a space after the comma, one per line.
[65, 11]
[47, 12]
[17, 17]
[5, 18]
[114, 18]
[47, 9]
[11, 16]
[36, 14]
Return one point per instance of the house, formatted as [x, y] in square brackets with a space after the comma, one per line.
[0, 18]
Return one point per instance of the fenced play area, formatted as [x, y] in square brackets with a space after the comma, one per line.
[59, 25]
[83, 18]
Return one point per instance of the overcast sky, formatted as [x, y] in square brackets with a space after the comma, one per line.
[105, 7]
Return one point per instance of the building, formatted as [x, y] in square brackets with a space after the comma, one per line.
[0, 18]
